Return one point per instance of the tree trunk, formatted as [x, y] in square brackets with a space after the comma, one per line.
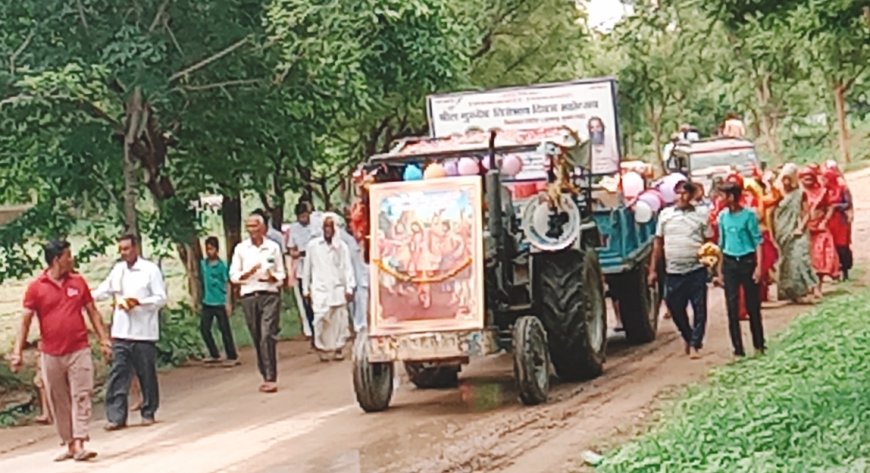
[277, 207]
[655, 123]
[840, 91]
[231, 214]
[191, 254]
[150, 147]
[131, 180]
[769, 120]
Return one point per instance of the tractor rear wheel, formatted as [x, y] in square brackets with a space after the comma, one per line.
[433, 375]
[372, 382]
[638, 304]
[569, 300]
[531, 360]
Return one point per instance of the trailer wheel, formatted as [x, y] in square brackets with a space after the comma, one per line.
[372, 382]
[427, 375]
[638, 304]
[531, 360]
[569, 300]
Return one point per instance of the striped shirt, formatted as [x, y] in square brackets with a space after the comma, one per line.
[683, 232]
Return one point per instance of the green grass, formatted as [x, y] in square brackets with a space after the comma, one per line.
[804, 407]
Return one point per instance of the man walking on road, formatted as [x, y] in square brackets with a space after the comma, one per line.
[300, 235]
[215, 278]
[258, 268]
[740, 241]
[139, 292]
[328, 286]
[682, 230]
[57, 298]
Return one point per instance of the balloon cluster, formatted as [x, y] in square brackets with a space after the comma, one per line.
[510, 165]
[647, 202]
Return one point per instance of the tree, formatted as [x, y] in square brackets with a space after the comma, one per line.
[837, 35]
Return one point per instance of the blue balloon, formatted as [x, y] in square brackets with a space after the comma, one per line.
[412, 173]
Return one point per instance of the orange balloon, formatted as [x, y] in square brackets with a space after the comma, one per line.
[434, 171]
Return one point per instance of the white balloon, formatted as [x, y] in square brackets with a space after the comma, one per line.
[642, 212]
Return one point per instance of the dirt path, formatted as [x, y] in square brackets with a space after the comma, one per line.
[214, 420]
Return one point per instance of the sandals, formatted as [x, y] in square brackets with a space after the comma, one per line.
[81, 456]
[84, 455]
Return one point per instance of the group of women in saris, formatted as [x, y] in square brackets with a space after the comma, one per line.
[805, 216]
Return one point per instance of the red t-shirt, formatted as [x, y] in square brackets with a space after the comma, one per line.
[59, 306]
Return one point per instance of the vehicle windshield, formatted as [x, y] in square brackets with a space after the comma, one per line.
[729, 158]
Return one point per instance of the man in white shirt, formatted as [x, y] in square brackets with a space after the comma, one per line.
[329, 283]
[258, 269]
[136, 285]
[301, 232]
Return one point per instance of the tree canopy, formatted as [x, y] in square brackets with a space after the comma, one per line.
[110, 107]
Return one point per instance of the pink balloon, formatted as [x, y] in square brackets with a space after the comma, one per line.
[451, 168]
[650, 199]
[632, 184]
[468, 167]
[667, 186]
[511, 165]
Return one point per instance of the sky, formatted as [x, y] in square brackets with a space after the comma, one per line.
[603, 14]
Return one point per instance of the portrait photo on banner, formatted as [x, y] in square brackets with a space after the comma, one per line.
[426, 256]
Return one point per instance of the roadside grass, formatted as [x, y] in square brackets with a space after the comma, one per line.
[805, 406]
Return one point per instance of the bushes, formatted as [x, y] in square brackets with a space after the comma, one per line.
[180, 339]
[803, 407]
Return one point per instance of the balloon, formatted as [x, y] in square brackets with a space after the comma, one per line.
[468, 167]
[667, 186]
[434, 171]
[651, 200]
[451, 168]
[511, 165]
[412, 173]
[642, 212]
[632, 184]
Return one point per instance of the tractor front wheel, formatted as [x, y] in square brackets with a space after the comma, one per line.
[372, 382]
[531, 360]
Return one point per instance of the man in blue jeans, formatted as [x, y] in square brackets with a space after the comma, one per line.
[682, 230]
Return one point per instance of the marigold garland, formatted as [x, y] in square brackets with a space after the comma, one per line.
[422, 280]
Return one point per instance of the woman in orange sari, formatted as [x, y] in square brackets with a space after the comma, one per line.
[817, 213]
[764, 200]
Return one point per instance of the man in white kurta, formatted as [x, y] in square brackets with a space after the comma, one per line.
[328, 282]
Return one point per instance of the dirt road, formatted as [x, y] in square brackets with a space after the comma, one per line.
[214, 420]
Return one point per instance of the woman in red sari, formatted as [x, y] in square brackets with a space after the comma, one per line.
[817, 213]
[840, 224]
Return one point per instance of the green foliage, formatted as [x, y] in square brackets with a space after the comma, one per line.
[805, 406]
[180, 339]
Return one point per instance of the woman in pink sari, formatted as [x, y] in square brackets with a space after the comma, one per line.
[817, 213]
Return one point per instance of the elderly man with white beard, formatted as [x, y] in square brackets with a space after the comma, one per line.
[328, 285]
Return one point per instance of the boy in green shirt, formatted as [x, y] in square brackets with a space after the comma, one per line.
[215, 278]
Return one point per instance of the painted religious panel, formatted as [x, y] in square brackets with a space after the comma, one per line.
[426, 256]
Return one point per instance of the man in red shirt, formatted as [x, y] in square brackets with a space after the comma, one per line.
[57, 298]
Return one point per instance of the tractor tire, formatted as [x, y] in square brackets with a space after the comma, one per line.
[531, 360]
[638, 304]
[569, 300]
[433, 375]
[372, 382]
